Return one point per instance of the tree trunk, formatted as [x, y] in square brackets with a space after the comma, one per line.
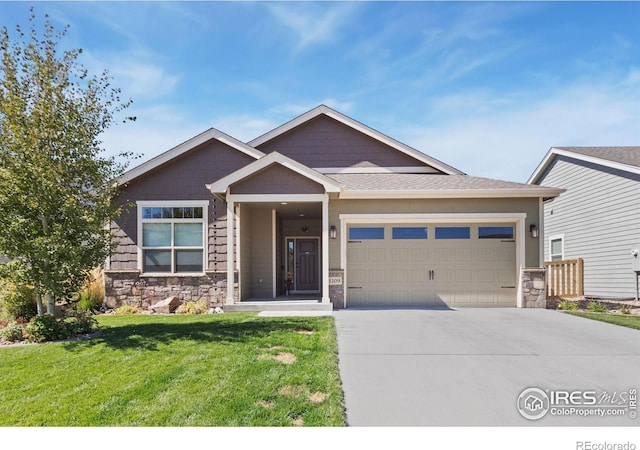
[39, 304]
[51, 303]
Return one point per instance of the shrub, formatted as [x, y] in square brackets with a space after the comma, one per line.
[80, 323]
[46, 328]
[199, 307]
[567, 305]
[597, 307]
[11, 333]
[18, 302]
[625, 309]
[126, 309]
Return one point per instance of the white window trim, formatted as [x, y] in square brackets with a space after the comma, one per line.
[204, 204]
[555, 237]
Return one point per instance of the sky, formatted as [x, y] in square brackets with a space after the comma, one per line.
[487, 88]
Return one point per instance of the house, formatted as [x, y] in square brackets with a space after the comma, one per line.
[597, 218]
[326, 208]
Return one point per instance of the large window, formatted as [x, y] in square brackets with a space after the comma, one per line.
[173, 237]
[556, 248]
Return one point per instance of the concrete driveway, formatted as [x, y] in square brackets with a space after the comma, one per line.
[468, 367]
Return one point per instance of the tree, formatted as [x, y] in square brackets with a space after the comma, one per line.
[56, 184]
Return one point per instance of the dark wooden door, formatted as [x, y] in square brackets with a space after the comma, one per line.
[307, 265]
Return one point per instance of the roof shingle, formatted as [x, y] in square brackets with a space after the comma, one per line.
[623, 155]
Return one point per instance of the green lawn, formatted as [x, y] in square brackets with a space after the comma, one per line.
[210, 370]
[616, 319]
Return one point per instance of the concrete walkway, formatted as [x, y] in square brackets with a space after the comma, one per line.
[468, 367]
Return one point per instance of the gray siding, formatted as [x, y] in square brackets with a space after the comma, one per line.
[246, 274]
[277, 179]
[183, 178]
[599, 216]
[261, 258]
[325, 142]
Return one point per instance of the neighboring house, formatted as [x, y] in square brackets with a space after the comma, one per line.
[350, 216]
[598, 217]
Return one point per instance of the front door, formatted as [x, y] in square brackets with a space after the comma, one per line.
[307, 269]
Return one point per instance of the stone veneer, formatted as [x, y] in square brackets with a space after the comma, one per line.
[336, 291]
[534, 294]
[128, 288]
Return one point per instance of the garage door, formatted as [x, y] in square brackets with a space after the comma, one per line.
[431, 265]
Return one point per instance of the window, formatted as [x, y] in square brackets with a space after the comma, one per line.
[173, 237]
[366, 233]
[409, 233]
[495, 232]
[556, 248]
[453, 233]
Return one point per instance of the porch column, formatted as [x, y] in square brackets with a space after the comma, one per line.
[325, 249]
[230, 244]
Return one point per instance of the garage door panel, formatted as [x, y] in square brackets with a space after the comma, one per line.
[422, 272]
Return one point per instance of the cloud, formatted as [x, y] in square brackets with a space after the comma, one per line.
[313, 23]
[486, 134]
[156, 130]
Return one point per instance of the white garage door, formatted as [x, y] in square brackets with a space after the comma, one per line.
[431, 265]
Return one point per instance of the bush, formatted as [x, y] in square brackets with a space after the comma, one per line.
[625, 309]
[81, 323]
[126, 309]
[11, 333]
[597, 307]
[46, 328]
[18, 302]
[199, 307]
[567, 305]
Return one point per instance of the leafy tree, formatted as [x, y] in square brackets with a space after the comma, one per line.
[55, 182]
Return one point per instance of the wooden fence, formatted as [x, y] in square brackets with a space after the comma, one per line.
[565, 278]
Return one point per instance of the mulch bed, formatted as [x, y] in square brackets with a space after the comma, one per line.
[611, 304]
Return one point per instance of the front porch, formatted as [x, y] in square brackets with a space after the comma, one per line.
[281, 303]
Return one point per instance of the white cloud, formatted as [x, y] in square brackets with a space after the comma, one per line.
[156, 130]
[313, 23]
[506, 138]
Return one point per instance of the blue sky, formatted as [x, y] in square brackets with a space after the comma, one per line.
[484, 87]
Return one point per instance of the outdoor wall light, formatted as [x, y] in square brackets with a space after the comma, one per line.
[534, 231]
[333, 232]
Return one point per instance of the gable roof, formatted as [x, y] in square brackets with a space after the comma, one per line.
[368, 131]
[621, 158]
[402, 185]
[220, 186]
[186, 146]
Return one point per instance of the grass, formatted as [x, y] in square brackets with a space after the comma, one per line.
[208, 370]
[616, 319]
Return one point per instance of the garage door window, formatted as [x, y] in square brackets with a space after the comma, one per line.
[362, 233]
[409, 233]
[453, 233]
[495, 232]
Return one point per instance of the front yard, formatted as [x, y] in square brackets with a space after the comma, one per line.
[616, 319]
[210, 370]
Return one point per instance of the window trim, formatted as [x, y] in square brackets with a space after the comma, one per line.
[556, 237]
[204, 204]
